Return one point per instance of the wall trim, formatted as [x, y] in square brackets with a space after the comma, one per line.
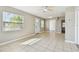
[19, 38]
[70, 42]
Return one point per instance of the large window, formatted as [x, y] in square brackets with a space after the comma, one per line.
[12, 22]
[52, 25]
[42, 25]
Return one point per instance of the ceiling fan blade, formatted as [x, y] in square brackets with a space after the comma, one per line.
[47, 8]
[50, 8]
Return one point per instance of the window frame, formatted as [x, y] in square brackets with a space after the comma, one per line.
[5, 22]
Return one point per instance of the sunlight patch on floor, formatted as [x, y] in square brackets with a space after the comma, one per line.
[31, 41]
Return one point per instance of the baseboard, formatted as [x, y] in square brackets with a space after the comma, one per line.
[42, 32]
[58, 32]
[70, 42]
[22, 37]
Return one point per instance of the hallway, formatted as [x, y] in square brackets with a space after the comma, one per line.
[50, 42]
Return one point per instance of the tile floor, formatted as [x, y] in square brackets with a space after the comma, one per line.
[50, 42]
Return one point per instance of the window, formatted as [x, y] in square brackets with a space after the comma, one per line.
[52, 25]
[42, 23]
[12, 22]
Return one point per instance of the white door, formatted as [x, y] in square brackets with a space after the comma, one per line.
[37, 25]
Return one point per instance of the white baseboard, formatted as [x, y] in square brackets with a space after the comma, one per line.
[70, 42]
[22, 37]
[59, 32]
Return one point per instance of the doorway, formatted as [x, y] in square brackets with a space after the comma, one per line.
[63, 26]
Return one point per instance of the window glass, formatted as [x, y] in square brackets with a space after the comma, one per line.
[12, 21]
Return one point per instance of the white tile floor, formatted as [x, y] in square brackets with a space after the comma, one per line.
[50, 42]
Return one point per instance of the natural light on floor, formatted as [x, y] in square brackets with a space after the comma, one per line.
[31, 41]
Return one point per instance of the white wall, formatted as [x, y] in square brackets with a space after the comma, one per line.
[58, 24]
[77, 24]
[47, 25]
[28, 25]
[37, 25]
[70, 24]
[52, 25]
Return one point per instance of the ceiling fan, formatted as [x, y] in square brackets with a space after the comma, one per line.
[47, 8]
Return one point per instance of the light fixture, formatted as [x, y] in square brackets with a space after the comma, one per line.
[46, 8]
[50, 17]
